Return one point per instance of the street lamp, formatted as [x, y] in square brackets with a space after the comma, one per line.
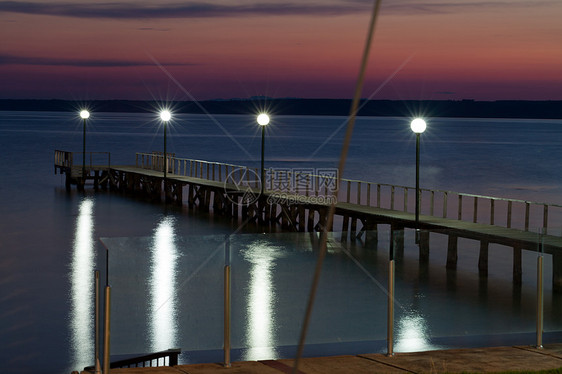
[85, 115]
[263, 120]
[418, 126]
[165, 116]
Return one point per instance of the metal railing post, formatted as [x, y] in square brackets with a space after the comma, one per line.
[540, 309]
[390, 315]
[97, 322]
[106, 330]
[227, 301]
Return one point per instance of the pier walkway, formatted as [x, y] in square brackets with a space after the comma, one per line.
[475, 360]
[299, 200]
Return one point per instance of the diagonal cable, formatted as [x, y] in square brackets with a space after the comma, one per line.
[343, 157]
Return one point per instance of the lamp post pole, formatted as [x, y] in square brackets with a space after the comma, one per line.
[84, 114]
[417, 179]
[418, 126]
[263, 120]
[165, 116]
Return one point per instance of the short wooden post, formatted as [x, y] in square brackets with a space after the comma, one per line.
[460, 208]
[475, 215]
[527, 209]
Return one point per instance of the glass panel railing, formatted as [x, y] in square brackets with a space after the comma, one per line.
[451, 289]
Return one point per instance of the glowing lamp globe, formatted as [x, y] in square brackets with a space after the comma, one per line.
[418, 125]
[263, 119]
[84, 114]
[165, 115]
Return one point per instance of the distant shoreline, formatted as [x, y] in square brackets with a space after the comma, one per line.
[330, 107]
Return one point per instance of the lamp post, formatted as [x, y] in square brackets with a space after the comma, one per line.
[85, 115]
[263, 120]
[165, 116]
[418, 126]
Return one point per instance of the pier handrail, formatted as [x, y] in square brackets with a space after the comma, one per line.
[66, 159]
[433, 202]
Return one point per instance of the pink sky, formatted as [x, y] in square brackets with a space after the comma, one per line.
[456, 49]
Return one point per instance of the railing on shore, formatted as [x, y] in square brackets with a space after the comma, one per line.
[163, 358]
[510, 213]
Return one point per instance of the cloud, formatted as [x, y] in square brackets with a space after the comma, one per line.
[152, 29]
[7, 59]
[123, 10]
[408, 7]
[140, 10]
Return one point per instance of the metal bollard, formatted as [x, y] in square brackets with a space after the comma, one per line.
[540, 311]
[227, 301]
[97, 322]
[390, 320]
[106, 330]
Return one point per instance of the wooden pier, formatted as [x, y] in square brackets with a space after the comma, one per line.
[299, 201]
[96, 169]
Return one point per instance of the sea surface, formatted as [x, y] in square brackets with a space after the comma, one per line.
[166, 263]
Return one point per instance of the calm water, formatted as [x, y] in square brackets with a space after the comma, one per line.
[166, 263]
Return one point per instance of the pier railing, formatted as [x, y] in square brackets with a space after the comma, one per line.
[505, 212]
[93, 159]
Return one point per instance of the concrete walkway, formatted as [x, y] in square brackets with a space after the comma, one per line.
[476, 360]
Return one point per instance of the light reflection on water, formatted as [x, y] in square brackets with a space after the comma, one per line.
[82, 286]
[163, 308]
[412, 334]
[261, 326]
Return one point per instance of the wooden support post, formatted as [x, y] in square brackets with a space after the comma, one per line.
[267, 211]
[517, 266]
[284, 217]
[207, 199]
[424, 245]
[302, 217]
[273, 213]
[353, 231]
[452, 255]
[96, 180]
[190, 193]
[397, 236]
[344, 228]
[483, 258]
[235, 206]
[310, 220]
[372, 234]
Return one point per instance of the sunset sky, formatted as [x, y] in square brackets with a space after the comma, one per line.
[182, 50]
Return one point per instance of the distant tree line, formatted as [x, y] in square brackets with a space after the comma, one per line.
[328, 107]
